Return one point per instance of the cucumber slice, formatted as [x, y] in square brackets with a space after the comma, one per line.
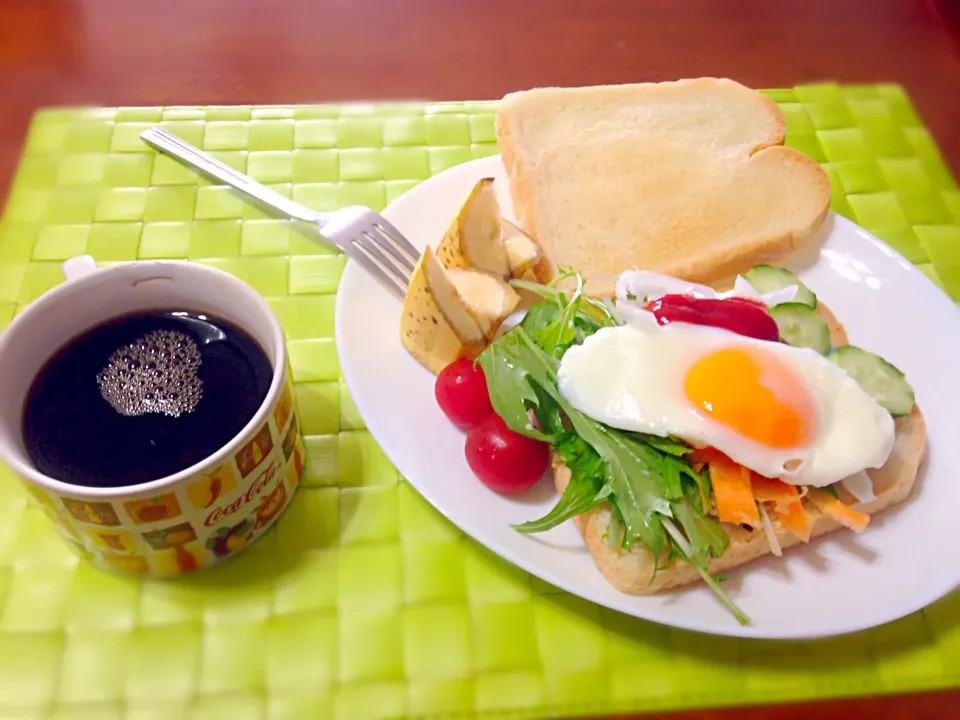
[883, 381]
[801, 326]
[765, 278]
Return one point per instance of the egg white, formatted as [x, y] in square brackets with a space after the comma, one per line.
[632, 377]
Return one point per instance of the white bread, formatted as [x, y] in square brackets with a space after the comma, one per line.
[688, 178]
[630, 571]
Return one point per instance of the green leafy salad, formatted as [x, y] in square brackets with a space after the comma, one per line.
[657, 499]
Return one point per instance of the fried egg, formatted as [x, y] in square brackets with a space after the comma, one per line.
[783, 412]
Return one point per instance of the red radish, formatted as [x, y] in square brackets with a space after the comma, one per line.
[504, 460]
[461, 392]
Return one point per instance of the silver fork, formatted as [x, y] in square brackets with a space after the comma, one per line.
[359, 231]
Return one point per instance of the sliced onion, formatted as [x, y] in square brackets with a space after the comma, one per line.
[768, 529]
[633, 313]
[860, 486]
[635, 288]
[612, 309]
[644, 285]
[640, 286]
[743, 288]
[780, 295]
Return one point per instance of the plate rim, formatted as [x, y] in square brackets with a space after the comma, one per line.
[734, 630]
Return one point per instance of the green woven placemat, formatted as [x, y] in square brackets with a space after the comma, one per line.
[362, 601]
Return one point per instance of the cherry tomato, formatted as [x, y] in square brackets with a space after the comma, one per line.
[461, 392]
[504, 460]
[740, 315]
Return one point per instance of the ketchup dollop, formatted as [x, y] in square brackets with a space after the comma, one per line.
[740, 315]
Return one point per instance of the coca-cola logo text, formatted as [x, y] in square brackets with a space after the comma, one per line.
[257, 487]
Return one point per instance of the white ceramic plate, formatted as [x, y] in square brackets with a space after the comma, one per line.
[841, 583]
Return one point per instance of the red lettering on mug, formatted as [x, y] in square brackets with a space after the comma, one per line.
[256, 487]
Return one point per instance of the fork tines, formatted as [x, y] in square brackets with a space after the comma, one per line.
[383, 251]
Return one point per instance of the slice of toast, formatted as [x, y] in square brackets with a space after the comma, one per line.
[687, 178]
[630, 571]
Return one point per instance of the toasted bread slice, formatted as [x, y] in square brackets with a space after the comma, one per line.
[630, 571]
[687, 178]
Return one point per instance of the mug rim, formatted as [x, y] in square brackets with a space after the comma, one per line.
[26, 470]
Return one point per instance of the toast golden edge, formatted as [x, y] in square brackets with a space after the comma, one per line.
[705, 268]
[630, 572]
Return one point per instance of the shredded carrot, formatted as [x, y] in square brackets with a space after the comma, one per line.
[836, 509]
[776, 491]
[796, 520]
[705, 454]
[732, 492]
[787, 504]
[699, 458]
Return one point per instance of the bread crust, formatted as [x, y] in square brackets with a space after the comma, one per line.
[710, 264]
[718, 263]
[519, 184]
[631, 571]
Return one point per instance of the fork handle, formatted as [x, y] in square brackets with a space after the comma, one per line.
[203, 161]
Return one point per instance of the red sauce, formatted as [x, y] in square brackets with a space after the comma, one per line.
[740, 315]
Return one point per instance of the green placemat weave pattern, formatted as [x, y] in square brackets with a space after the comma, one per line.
[362, 602]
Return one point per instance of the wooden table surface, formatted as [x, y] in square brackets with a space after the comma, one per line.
[151, 52]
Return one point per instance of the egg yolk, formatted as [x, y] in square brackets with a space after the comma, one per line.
[753, 393]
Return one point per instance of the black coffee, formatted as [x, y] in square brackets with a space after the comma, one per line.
[141, 397]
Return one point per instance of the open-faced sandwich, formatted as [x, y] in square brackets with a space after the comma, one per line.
[689, 427]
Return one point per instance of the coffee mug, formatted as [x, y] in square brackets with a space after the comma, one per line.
[193, 518]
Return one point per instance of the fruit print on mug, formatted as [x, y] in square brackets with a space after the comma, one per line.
[281, 413]
[237, 523]
[164, 533]
[227, 540]
[293, 451]
[180, 559]
[97, 513]
[153, 509]
[132, 563]
[295, 467]
[119, 540]
[254, 452]
[270, 505]
[235, 535]
[212, 486]
[289, 441]
[170, 537]
[174, 538]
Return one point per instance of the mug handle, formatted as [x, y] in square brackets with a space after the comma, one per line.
[77, 267]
